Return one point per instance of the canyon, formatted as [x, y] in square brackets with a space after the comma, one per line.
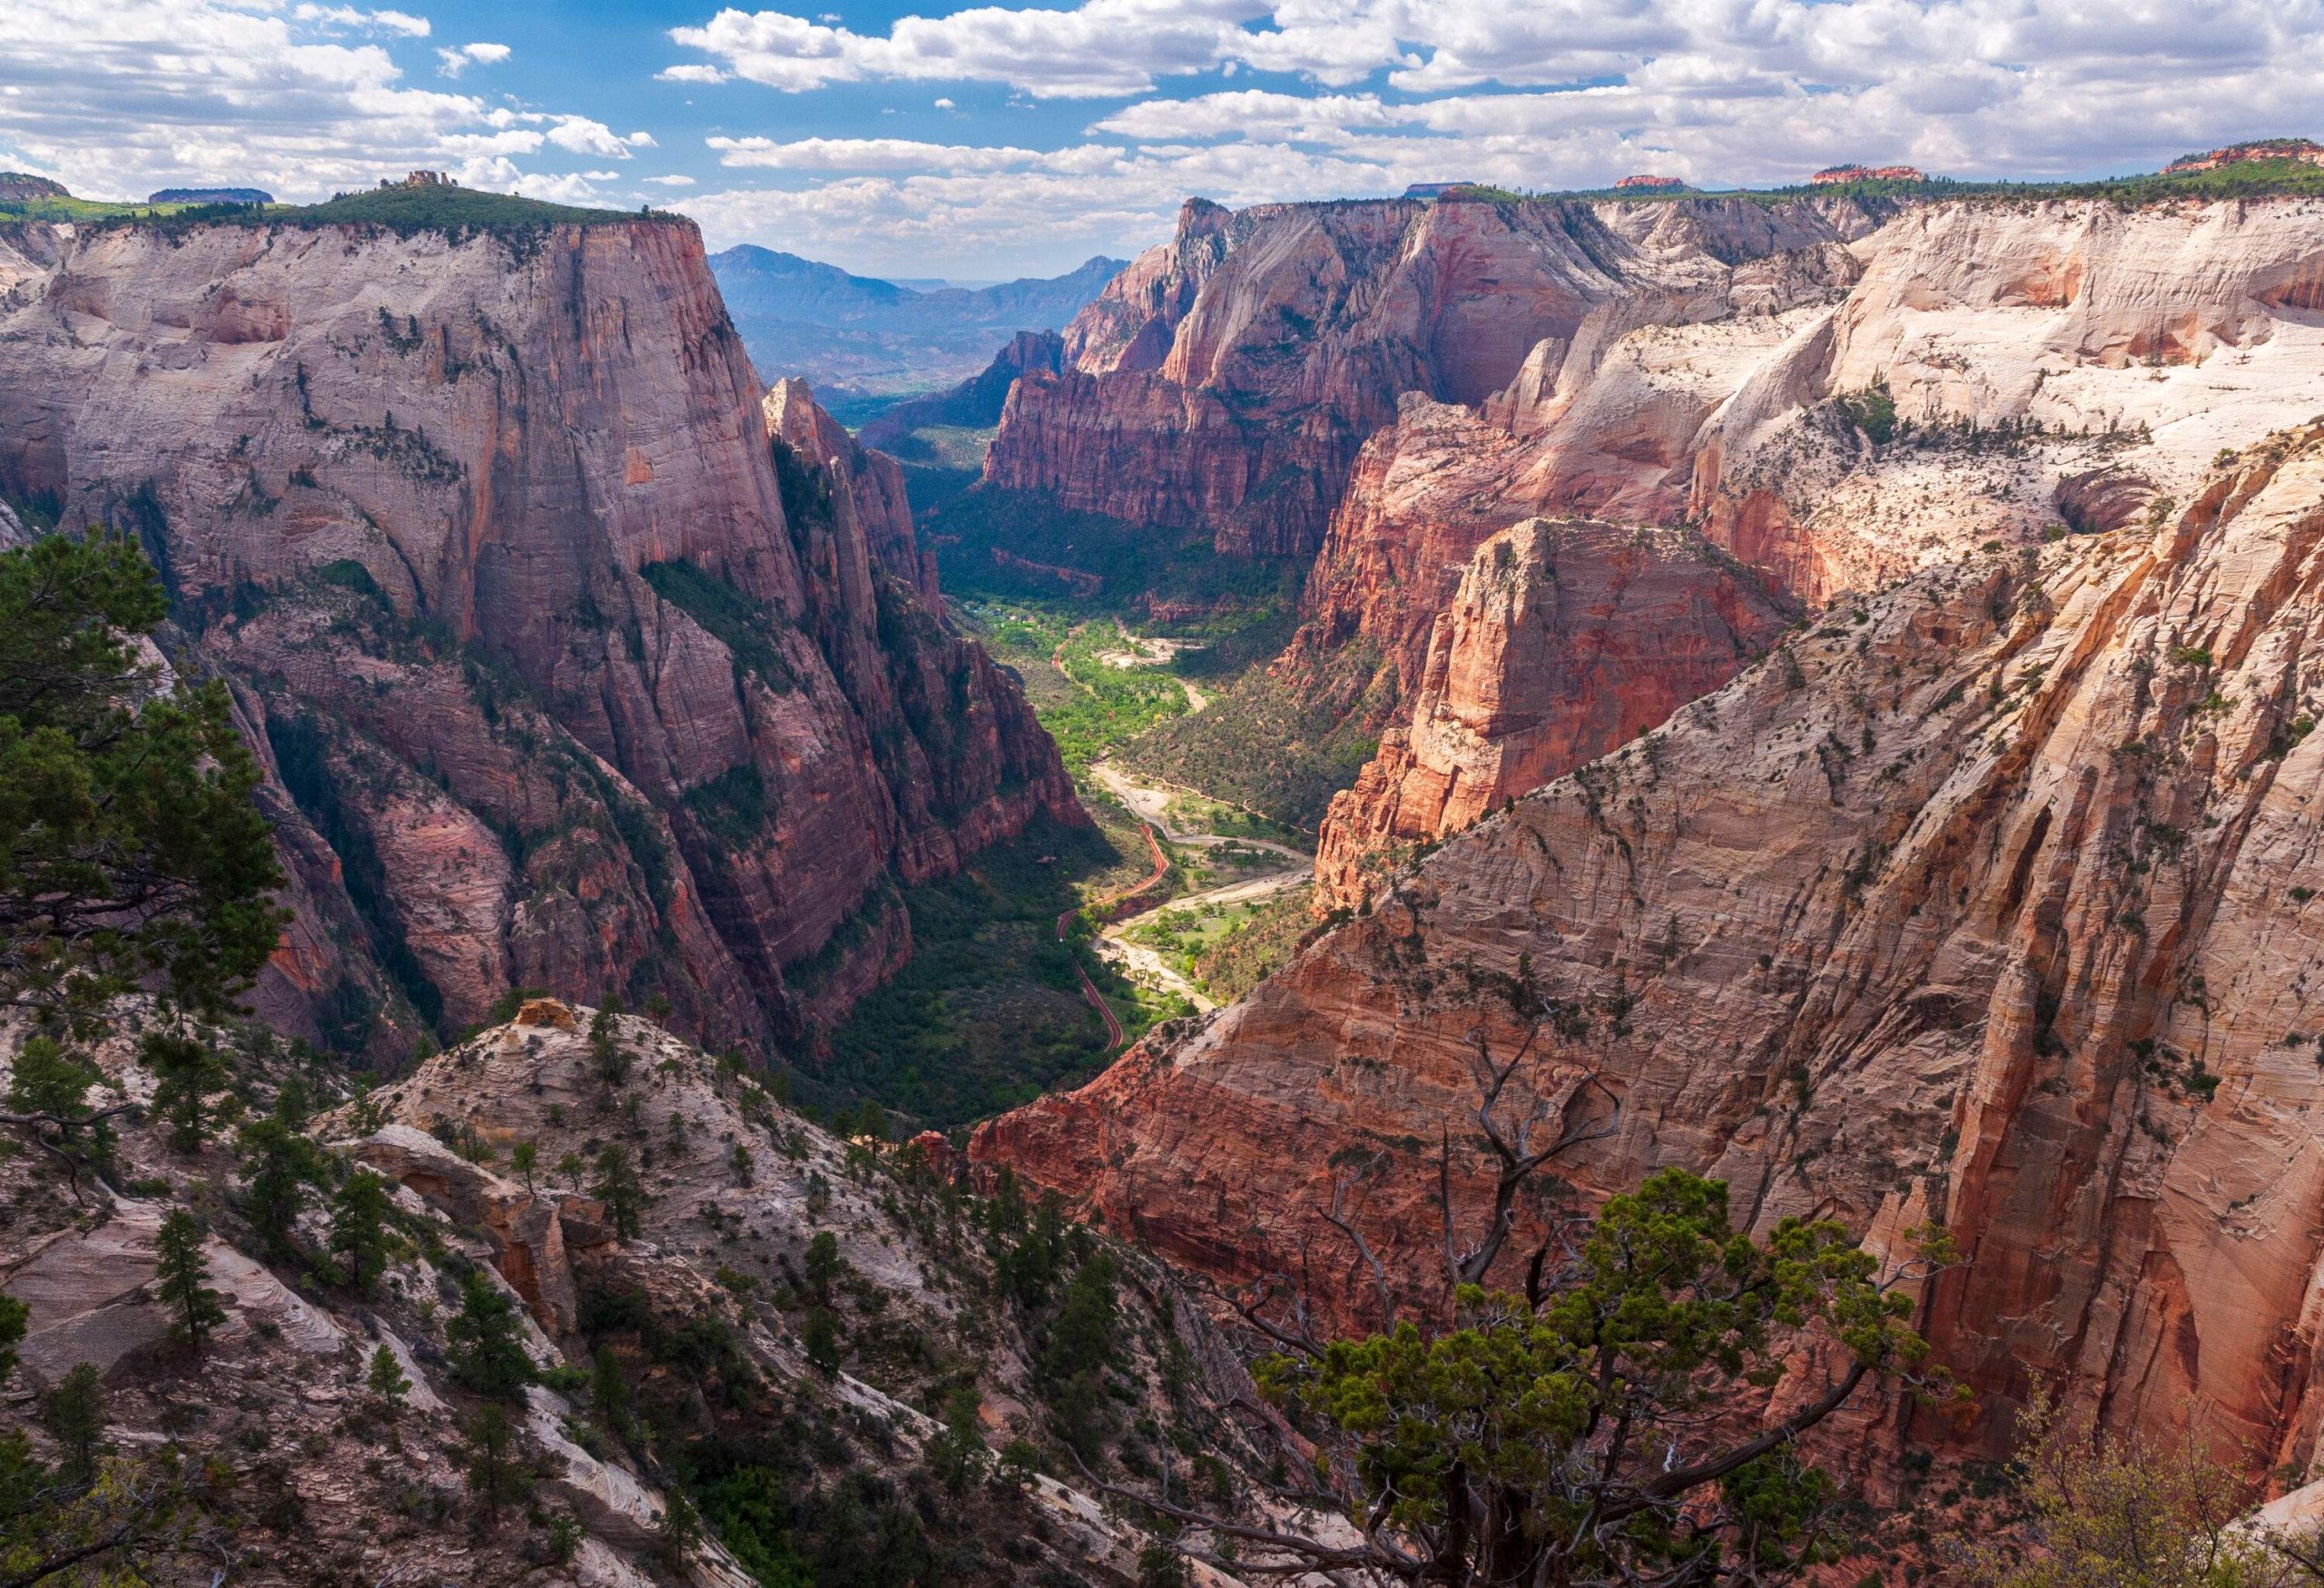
[574, 664]
[1975, 898]
[1831, 392]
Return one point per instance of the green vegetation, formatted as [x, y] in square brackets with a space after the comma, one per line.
[1573, 1433]
[989, 1013]
[1280, 747]
[740, 623]
[2247, 179]
[457, 211]
[1017, 545]
[130, 845]
[1101, 706]
[1230, 966]
[1872, 410]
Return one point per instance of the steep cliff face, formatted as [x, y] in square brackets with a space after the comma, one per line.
[1225, 380]
[1984, 900]
[1837, 419]
[1563, 640]
[570, 675]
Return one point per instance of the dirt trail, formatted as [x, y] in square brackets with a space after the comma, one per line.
[1113, 943]
[1064, 920]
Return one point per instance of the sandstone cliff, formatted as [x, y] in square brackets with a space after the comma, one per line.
[568, 675]
[1226, 379]
[1563, 640]
[1833, 416]
[1983, 900]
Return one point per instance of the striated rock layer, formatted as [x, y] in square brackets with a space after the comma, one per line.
[1227, 380]
[1835, 418]
[1990, 899]
[567, 675]
[1564, 639]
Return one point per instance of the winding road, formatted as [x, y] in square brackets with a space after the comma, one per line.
[1151, 807]
[1064, 920]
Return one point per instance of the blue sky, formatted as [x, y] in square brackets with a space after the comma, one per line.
[979, 141]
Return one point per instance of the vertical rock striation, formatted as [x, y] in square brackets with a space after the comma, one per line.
[1563, 640]
[568, 675]
[1988, 900]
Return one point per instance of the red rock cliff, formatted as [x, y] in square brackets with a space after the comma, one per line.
[1988, 900]
[1563, 640]
[569, 678]
[1225, 380]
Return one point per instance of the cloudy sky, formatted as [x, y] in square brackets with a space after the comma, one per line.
[997, 139]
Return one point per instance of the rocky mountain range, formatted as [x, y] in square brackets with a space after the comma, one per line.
[1975, 897]
[574, 664]
[865, 338]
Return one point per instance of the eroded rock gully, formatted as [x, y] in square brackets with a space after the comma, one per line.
[567, 676]
[1990, 899]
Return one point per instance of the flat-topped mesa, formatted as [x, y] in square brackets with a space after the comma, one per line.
[2304, 151]
[563, 682]
[1841, 176]
[1984, 902]
[1649, 184]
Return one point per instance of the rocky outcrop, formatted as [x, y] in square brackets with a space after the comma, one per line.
[1227, 380]
[1563, 641]
[1965, 374]
[1983, 901]
[568, 675]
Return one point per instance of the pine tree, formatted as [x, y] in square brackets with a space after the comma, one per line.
[359, 1228]
[494, 1474]
[523, 1158]
[74, 1413]
[131, 850]
[16, 1317]
[281, 1165]
[821, 1339]
[620, 1189]
[188, 1071]
[957, 1453]
[824, 1265]
[181, 1277]
[680, 1532]
[609, 1390]
[386, 1382]
[488, 1351]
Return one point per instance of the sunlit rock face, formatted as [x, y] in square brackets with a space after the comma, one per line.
[1988, 899]
[569, 677]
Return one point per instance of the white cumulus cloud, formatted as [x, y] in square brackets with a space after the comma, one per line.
[459, 59]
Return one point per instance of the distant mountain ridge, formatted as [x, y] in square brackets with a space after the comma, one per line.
[861, 336]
